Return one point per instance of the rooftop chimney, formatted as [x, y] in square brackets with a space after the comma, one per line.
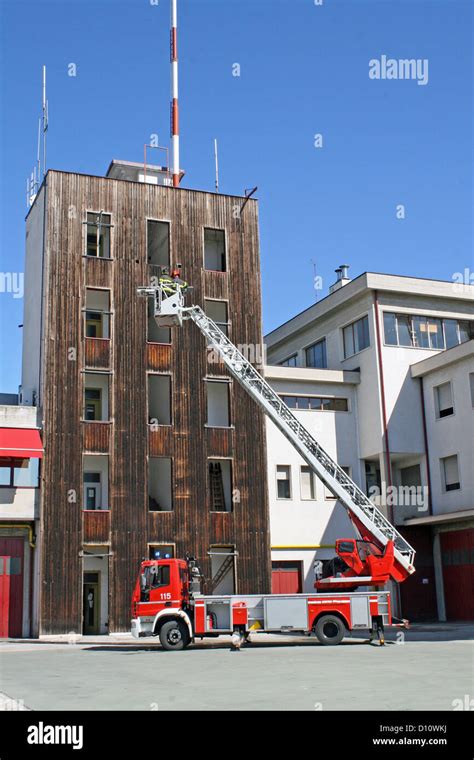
[342, 274]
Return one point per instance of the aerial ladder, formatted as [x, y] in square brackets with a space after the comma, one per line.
[380, 553]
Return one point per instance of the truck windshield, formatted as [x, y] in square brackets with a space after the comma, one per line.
[159, 576]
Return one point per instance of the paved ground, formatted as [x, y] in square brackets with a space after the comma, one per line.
[430, 669]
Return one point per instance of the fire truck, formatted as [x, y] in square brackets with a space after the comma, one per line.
[167, 599]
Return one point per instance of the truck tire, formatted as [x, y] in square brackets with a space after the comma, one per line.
[330, 630]
[174, 635]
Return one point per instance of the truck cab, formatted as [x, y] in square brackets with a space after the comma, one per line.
[161, 600]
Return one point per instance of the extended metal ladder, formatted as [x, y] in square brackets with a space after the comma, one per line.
[355, 501]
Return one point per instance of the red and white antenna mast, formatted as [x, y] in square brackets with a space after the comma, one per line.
[174, 94]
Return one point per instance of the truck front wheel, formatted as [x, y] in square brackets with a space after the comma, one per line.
[330, 630]
[174, 635]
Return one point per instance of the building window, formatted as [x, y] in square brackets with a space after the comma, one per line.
[290, 362]
[161, 551]
[214, 250]
[416, 331]
[427, 333]
[156, 334]
[159, 399]
[96, 397]
[97, 314]
[308, 483]
[317, 403]
[316, 355]
[95, 481]
[327, 493]
[218, 403]
[283, 474]
[158, 243]
[160, 492]
[450, 473]
[220, 485]
[390, 328]
[223, 580]
[444, 400]
[98, 235]
[356, 337]
[19, 473]
[217, 311]
[410, 481]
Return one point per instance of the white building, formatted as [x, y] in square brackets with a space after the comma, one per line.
[20, 454]
[360, 343]
[304, 518]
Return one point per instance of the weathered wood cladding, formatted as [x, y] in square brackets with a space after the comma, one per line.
[191, 525]
[96, 437]
[96, 526]
[97, 353]
[158, 357]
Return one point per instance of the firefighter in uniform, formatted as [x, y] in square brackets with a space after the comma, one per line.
[170, 281]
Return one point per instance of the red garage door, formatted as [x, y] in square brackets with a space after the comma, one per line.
[457, 550]
[286, 577]
[11, 587]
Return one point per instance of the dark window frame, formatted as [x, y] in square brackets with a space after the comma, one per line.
[311, 349]
[99, 226]
[225, 270]
[309, 403]
[354, 328]
[410, 321]
[288, 362]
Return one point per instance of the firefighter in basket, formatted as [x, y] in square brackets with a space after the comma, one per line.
[170, 281]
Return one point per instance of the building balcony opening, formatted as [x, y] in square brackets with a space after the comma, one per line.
[220, 485]
[159, 400]
[217, 311]
[158, 245]
[97, 314]
[156, 334]
[95, 482]
[223, 570]
[160, 492]
[96, 397]
[218, 403]
[214, 250]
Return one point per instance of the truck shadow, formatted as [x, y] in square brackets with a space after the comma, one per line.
[206, 647]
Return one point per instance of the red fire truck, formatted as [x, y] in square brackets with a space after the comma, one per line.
[168, 600]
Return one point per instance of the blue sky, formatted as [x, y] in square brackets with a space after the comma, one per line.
[304, 71]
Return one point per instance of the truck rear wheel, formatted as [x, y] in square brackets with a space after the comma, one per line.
[330, 630]
[174, 635]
